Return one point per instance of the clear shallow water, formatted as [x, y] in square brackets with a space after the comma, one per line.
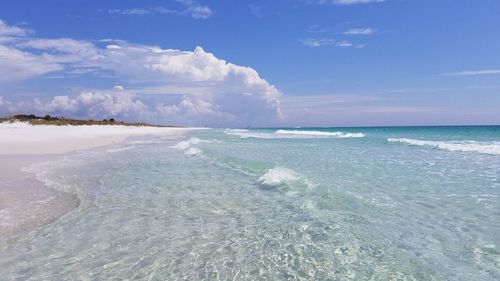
[325, 204]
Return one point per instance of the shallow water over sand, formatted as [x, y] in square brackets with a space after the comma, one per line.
[337, 204]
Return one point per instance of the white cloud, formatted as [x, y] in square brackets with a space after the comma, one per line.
[93, 105]
[132, 11]
[344, 44]
[203, 84]
[314, 43]
[6, 30]
[17, 65]
[189, 8]
[318, 42]
[473, 72]
[360, 31]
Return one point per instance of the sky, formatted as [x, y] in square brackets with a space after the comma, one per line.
[253, 63]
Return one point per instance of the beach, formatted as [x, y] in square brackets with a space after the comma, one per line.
[406, 203]
[26, 203]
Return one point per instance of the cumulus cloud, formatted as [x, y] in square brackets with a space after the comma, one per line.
[86, 104]
[202, 84]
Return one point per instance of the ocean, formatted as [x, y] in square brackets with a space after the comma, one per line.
[387, 203]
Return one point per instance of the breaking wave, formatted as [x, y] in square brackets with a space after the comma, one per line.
[192, 151]
[188, 146]
[279, 176]
[291, 134]
[485, 147]
[320, 133]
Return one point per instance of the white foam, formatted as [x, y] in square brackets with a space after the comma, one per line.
[120, 149]
[278, 175]
[144, 142]
[192, 151]
[308, 205]
[320, 133]
[187, 144]
[291, 134]
[485, 147]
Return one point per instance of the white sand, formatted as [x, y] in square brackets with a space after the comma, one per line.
[22, 138]
[26, 203]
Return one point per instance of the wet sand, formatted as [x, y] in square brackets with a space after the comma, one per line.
[25, 202]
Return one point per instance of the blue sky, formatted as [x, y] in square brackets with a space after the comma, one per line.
[257, 63]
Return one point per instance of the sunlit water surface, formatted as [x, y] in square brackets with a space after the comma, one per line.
[290, 204]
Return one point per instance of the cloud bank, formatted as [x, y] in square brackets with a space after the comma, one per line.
[188, 87]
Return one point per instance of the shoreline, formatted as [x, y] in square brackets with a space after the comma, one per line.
[21, 138]
[26, 203]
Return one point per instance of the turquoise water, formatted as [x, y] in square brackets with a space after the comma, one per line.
[275, 204]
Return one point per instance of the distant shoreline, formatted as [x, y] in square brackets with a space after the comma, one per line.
[63, 121]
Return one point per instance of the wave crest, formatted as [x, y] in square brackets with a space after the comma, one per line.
[484, 147]
[320, 133]
[187, 145]
[291, 134]
[183, 145]
[279, 176]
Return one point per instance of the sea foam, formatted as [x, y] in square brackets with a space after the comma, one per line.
[291, 134]
[280, 176]
[187, 144]
[485, 147]
[320, 133]
[188, 147]
[192, 151]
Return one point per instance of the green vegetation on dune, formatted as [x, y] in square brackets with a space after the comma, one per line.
[62, 121]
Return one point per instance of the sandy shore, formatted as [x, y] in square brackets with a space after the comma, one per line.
[25, 202]
[22, 138]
